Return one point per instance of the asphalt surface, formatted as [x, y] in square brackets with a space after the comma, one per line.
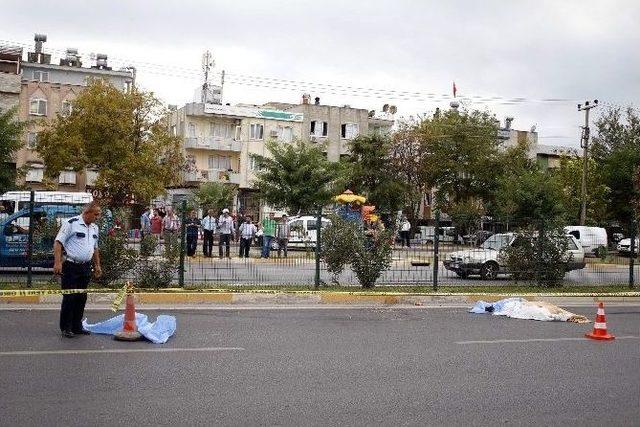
[349, 366]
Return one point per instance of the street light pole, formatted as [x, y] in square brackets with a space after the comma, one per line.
[584, 143]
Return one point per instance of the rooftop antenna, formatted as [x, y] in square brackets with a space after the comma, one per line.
[207, 63]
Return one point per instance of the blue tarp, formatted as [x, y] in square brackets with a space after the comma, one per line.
[157, 332]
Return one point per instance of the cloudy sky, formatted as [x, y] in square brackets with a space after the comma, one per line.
[533, 60]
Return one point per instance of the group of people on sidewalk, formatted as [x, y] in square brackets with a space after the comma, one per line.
[224, 225]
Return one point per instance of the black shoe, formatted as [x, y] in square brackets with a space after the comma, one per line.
[68, 334]
[82, 332]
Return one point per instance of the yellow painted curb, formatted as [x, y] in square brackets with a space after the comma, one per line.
[181, 298]
[25, 299]
[335, 298]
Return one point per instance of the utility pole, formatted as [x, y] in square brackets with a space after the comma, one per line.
[584, 143]
[207, 63]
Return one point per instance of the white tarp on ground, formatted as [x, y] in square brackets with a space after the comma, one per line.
[157, 332]
[520, 308]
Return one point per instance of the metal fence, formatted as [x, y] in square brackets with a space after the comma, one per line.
[432, 256]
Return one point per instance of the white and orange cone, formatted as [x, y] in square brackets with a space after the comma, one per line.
[600, 327]
[129, 329]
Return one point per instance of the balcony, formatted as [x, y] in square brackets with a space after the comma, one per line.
[211, 143]
[212, 175]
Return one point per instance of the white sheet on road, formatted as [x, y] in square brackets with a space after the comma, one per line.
[157, 332]
[520, 308]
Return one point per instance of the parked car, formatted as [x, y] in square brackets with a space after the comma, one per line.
[477, 238]
[14, 235]
[304, 231]
[591, 238]
[624, 246]
[488, 259]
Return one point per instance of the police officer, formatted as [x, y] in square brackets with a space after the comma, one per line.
[78, 238]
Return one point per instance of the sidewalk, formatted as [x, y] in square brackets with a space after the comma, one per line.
[314, 298]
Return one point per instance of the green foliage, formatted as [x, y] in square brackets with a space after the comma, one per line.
[372, 172]
[538, 255]
[10, 142]
[214, 195]
[116, 257]
[371, 256]
[533, 197]
[157, 271]
[338, 243]
[296, 177]
[569, 175]
[119, 134]
[616, 150]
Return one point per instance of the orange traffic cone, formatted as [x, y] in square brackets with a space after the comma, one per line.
[129, 330]
[600, 327]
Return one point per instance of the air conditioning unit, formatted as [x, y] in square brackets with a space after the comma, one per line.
[273, 133]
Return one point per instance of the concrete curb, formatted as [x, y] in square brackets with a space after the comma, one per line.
[317, 298]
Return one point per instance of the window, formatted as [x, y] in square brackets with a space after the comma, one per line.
[41, 76]
[67, 177]
[349, 130]
[221, 130]
[38, 107]
[192, 130]
[174, 131]
[219, 162]
[318, 128]
[254, 164]
[65, 111]
[35, 174]
[32, 140]
[285, 133]
[256, 132]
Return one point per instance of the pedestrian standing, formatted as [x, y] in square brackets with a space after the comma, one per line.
[145, 223]
[269, 231]
[405, 231]
[78, 239]
[247, 232]
[170, 226]
[156, 225]
[282, 235]
[192, 225]
[225, 227]
[209, 229]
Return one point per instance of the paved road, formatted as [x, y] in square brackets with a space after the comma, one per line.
[368, 366]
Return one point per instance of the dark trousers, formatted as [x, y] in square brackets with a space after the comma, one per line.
[225, 239]
[282, 246]
[404, 236]
[245, 244]
[74, 276]
[192, 244]
[207, 244]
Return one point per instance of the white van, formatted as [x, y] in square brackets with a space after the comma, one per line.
[446, 235]
[591, 238]
[304, 232]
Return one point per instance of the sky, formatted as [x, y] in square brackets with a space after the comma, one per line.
[531, 60]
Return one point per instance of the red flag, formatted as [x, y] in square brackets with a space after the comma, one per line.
[455, 89]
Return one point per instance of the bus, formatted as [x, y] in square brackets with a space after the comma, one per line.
[15, 201]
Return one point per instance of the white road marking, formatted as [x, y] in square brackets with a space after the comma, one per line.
[119, 350]
[538, 340]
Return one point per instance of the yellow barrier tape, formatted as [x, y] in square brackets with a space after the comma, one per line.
[115, 305]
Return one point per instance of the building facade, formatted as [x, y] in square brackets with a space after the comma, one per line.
[48, 90]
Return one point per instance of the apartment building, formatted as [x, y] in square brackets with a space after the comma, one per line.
[48, 90]
[10, 58]
[335, 126]
[218, 143]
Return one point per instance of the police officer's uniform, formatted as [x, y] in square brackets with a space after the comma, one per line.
[79, 241]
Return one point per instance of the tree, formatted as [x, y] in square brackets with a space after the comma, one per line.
[296, 177]
[569, 175]
[372, 172]
[122, 135]
[616, 150]
[214, 195]
[10, 142]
